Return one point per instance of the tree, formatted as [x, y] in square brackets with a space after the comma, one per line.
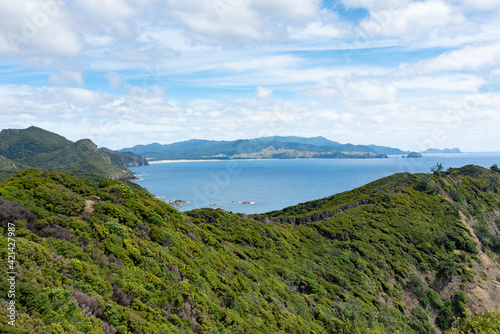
[495, 168]
[437, 169]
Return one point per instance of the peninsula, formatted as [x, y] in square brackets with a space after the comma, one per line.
[276, 147]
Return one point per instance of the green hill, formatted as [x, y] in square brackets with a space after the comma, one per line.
[276, 147]
[24, 144]
[407, 252]
[39, 148]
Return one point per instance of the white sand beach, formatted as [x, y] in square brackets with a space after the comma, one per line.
[182, 160]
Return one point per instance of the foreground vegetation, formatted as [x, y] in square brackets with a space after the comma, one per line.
[392, 256]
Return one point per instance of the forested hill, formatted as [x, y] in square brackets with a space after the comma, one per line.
[405, 254]
[36, 147]
[276, 147]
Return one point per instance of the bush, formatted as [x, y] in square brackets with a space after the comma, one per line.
[420, 321]
[435, 299]
[445, 316]
[484, 323]
[116, 228]
[459, 302]
[156, 219]
[58, 200]
[33, 298]
[120, 212]
[12, 211]
[455, 195]
[417, 286]
[425, 185]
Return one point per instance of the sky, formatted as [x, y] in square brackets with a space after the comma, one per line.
[399, 73]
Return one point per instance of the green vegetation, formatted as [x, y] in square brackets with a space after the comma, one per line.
[437, 169]
[42, 149]
[483, 323]
[110, 258]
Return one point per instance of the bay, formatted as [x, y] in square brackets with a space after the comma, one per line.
[258, 186]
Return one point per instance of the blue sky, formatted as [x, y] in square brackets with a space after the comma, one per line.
[401, 73]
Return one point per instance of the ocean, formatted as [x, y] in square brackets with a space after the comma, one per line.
[258, 186]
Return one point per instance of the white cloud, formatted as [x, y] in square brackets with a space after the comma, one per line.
[375, 4]
[120, 121]
[358, 89]
[481, 4]
[269, 62]
[333, 116]
[66, 77]
[110, 16]
[240, 49]
[458, 82]
[494, 75]
[316, 30]
[240, 22]
[81, 97]
[264, 93]
[467, 58]
[115, 79]
[32, 27]
[412, 21]
[97, 40]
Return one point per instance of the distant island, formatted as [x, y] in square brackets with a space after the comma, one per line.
[446, 150]
[276, 147]
[414, 155]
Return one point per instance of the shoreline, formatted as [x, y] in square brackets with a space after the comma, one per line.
[182, 160]
[389, 156]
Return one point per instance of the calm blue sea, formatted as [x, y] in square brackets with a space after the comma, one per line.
[267, 185]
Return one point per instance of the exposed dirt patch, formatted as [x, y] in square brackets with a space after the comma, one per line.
[485, 293]
[484, 296]
[410, 300]
[90, 206]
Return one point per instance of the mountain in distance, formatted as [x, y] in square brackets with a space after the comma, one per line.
[446, 150]
[36, 147]
[261, 148]
[406, 253]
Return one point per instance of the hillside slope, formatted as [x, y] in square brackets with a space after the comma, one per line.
[407, 252]
[39, 148]
[10, 168]
[23, 145]
[124, 159]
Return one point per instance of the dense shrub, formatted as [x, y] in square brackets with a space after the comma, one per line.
[12, 211]
[483, 323]
[116, 228]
